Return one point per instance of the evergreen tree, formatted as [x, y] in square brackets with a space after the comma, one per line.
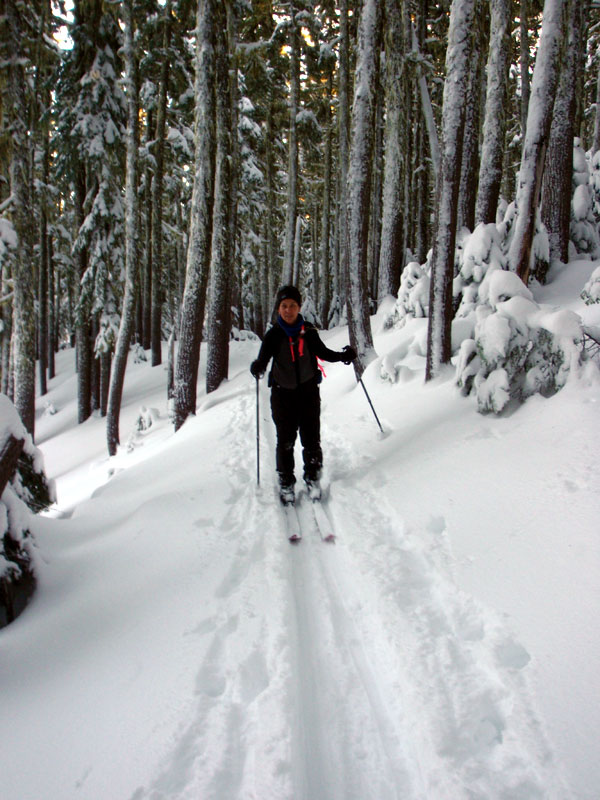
[442, 268]
[198, 255]
[359, 183]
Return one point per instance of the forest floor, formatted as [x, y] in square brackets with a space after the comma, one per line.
[445, 646]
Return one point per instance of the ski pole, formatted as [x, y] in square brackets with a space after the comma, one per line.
[257, 436]
[370, 403]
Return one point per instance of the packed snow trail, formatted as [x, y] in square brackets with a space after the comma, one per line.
[351, 671]
[234, 665]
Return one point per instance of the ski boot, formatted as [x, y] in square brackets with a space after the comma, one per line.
[286, 494]
[313, 487]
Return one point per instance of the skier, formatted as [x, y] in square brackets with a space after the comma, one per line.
[294, 345]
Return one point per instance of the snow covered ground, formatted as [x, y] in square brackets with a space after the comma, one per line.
[445, 647]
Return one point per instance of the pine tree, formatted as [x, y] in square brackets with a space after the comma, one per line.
[359, 183]
[198, 255]
[494, 126]
[223, 230]
[126, 327]
[442, 266]
[539, 119]
[558, 171]
[22, 214]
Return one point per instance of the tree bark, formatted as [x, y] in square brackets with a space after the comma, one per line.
[344, 146]
[24, 333]
[391, 255]
[157, 195]
[292, 190]
[458, 54]
[359, 183]
[558, 172]
[131, 236]
[494, 126]
[539, 119]
[198, 255]
[219, 316]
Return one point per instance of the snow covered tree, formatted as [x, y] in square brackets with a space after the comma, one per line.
[157, 193]
[391, 257]
[539, 119]
[21, 210]
[518, 348]
[442, 269]
[584, 235]
[292, 175]
[88, 140]
[359, 183]
[198, 254]
[223, 224]
[494, 126]
[131, 234]
[23, 489]
[558, 171]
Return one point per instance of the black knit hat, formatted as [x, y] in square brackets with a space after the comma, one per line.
[288, 293]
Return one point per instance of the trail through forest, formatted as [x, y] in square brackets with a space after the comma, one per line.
[178, 646]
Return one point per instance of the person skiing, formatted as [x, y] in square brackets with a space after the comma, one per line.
[294, 345]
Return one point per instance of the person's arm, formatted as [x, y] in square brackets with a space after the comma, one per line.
[265, 354]
[317, 346]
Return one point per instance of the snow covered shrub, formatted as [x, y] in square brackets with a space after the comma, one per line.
[26, 490]
[594, 168]
[413, 296]
[337, 312]
[309, 310]
[591, 291]
[583, 232]
[139, 354]
[481, 255]
[518, 348]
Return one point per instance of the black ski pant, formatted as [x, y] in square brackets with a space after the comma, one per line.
[296, 410]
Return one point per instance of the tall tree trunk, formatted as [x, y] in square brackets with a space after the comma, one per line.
[292, 190]
[157, 194]
[146, 283]
[359, 183]
[494, 126]
[198, 255]
[376, 188]
[344, 145]
[434, 145]
[539, 119]
[596, 142]
[52, 312]
[558, 172]
[391, 256]
[325, 276]
[219, 316]
[470, 148]
[126, 327]
[22, 213]
[82, 313]
[458, 55]
[524, 63]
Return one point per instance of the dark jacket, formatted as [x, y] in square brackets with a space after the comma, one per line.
[294, 362]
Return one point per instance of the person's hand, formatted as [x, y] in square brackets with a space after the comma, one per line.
[256, 370]
[349, 354]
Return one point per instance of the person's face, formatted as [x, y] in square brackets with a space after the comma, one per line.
[289, 310]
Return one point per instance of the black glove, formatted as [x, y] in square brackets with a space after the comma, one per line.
[256, 370]
[348, 354]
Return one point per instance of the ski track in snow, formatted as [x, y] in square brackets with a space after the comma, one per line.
[334, 671]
